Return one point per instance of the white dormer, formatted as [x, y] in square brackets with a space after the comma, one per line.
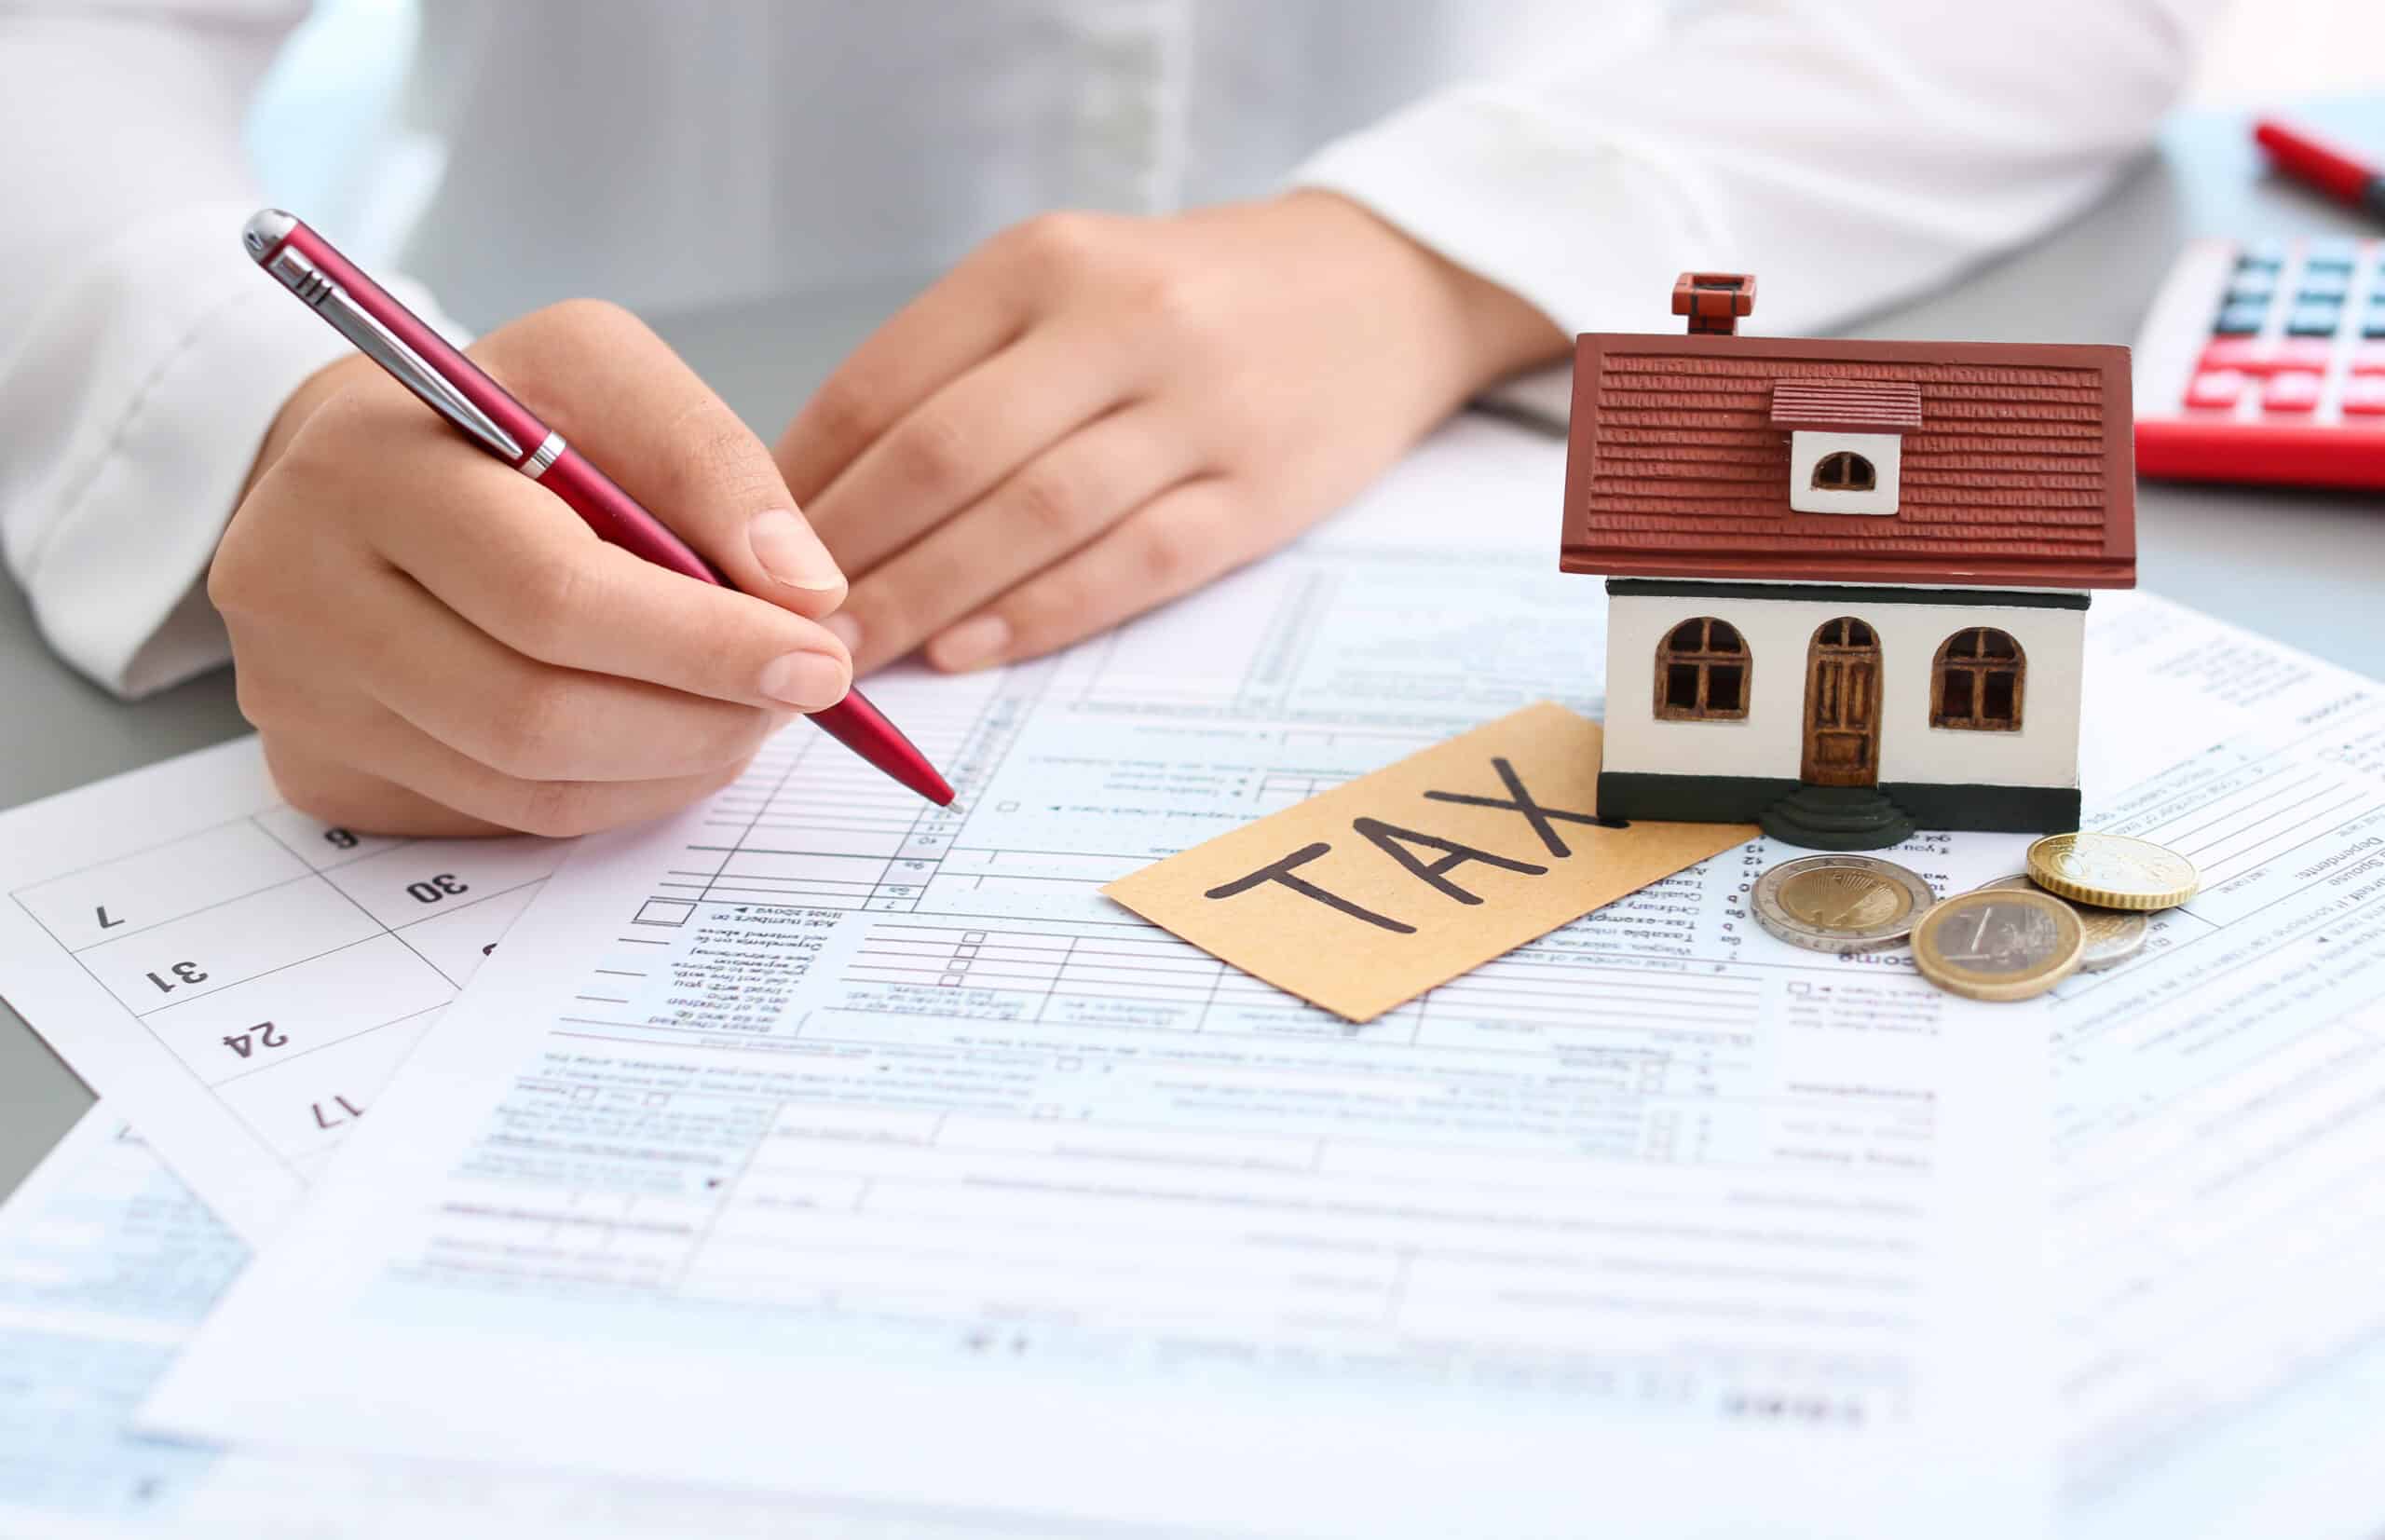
[1846, 442]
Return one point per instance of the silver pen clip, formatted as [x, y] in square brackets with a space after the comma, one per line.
[305, 279]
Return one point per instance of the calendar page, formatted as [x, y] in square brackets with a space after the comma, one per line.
[239, 977]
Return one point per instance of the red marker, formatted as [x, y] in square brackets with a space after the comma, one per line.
[2333, 172]
[454, 386]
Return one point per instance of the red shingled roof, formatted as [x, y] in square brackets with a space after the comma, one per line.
[1847, 406]
[2017, 472]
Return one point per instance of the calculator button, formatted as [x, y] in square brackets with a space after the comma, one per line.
[2305, 352]
[2234, 353]
[2216, 387]
[2327, 283]
[2375, 325]
[2295, 392]
[2241, 319]
[2368, 359]
[2259, 356]
[2315, 320]
[2258, 284]
[2328, 254]
[2366, 396]
[2261, 256]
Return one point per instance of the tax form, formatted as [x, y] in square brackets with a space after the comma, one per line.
[821, 1141]
[238, 976]
[2219, 1122]
[108, 1263]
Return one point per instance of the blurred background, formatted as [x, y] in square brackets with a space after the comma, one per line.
[326, 135]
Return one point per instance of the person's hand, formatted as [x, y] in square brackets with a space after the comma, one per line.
[1095, 413]
[431, 643]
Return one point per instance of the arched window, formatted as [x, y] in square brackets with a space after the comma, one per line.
[1975, 684]
[1703, 672]
[1843, 470]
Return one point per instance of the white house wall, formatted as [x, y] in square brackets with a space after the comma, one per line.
[1771, 740]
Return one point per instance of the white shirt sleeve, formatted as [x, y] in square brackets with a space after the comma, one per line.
[1846, 151]
[142, 355]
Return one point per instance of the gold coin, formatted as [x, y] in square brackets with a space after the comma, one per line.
[1998, 944]
[2113, 870]
[2113, 935]
[1841, 897]
[1839, 903]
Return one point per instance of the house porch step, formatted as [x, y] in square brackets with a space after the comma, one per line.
[1836, 818]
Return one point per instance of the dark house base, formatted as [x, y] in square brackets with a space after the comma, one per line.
[1836, 818]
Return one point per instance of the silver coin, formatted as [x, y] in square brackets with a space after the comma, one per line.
[1840, 903]
[2113, 935]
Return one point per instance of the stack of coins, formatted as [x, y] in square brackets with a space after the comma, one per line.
[2081, 904]
[2113, 935]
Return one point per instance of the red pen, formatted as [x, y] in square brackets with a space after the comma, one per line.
[2335, 171]
[454, 386]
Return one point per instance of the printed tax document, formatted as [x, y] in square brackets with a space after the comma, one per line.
[108, 1263]
[822, 1140]
[2220, 1103]
[239, 977]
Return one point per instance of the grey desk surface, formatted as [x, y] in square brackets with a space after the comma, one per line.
[2306, 568]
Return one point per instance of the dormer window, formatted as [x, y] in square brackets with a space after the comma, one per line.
[1843, 470]
[1846, 442]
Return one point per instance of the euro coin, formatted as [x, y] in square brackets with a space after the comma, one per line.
[1998, 944]
[1840, 903]
[2113, 935]
[2113, 871]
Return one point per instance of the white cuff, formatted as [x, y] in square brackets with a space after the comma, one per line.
[1588, 226]
[137, 406]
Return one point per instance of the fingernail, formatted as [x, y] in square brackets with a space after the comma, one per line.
[792, 553]
[845, 629]
[972, 644]
[808, 681]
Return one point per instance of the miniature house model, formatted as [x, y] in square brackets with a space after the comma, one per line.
[1848, 581]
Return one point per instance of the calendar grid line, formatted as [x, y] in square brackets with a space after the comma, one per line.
[479, 898]
[126, 855]
[116, 936]
[392, 932]
[299, 1008]
[248, 1124]
[143, 1016]
[292, 1059]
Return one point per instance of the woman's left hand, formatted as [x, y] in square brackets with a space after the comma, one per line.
[1094, 413]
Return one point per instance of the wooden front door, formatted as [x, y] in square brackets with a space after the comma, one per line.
[1842, 705]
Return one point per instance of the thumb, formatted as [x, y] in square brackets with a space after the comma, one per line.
[599, 376]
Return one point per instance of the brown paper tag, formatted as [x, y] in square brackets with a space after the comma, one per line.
[1372, 893]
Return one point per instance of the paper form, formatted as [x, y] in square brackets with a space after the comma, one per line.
[822, 1139]
[2220, 1102]
[107, 1264]
[242, 979]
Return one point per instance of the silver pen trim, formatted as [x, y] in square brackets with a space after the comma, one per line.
[305, 279]
[550, 450]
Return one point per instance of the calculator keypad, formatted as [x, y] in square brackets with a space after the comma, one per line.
[2295, 391]
[2298, 335]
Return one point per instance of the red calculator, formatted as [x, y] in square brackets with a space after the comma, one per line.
[2265, 363]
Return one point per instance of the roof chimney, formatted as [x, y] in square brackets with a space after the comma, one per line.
[1714, 302]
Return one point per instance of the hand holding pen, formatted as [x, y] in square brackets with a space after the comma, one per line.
[432, 637]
